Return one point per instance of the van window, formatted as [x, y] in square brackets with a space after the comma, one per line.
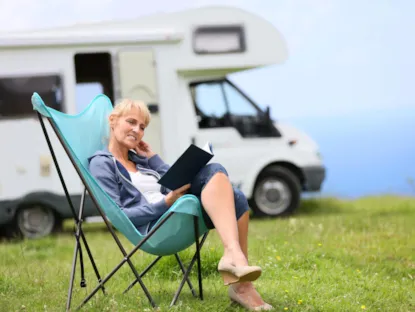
[93, 74]
[221, 104]
[238, 104]
[211, 106]
[16, 93]
[85, 93]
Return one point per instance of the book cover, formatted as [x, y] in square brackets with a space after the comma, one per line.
[187, 166]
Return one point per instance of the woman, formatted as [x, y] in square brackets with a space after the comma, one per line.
[130, 179]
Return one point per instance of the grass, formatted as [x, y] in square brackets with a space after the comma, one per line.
[330, 256]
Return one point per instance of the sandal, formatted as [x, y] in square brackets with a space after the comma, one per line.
[232, 274]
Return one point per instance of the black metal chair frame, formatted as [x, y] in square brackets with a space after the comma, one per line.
[80, 238]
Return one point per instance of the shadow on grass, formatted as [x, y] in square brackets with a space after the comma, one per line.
[321, 207]
[11, 236]
[313, 206]
[307, 207]
[87, 228]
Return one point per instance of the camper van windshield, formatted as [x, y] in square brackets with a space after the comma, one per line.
[220, 103]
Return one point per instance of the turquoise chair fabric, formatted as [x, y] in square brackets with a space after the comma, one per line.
[87, 132]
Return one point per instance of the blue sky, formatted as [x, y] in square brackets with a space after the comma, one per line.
[356, 56]
[349, 84]
[348, 81]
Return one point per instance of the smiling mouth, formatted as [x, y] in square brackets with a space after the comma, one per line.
[132, 137]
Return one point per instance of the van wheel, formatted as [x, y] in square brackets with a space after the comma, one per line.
[35, 221]
[277, 192]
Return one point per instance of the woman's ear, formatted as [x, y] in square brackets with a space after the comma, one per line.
[111, 120]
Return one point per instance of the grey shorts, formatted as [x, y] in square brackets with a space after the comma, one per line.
[200, 181]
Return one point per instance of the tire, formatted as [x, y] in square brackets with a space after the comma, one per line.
[277, 192]
[36, 221]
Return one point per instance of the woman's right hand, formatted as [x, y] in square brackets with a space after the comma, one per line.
[176, 194]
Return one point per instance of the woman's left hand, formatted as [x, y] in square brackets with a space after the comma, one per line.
[144, 149]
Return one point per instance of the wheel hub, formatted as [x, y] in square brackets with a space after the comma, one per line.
[35, 221]
[273, 196]
[35, 218]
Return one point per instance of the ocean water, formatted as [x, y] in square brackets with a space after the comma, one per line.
[367, 153]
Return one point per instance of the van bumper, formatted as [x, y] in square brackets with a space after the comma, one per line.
[313, 178]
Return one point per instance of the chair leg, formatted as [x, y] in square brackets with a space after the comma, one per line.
[77, 234]
[77, 218]
[189, 269]
[91, 258]
[199, 267]
[126, 259]
[184, 271]
[75, 256]
[198, 246]
[78, 249]
[143, 273]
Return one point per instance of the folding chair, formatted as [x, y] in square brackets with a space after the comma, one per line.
[181, 226]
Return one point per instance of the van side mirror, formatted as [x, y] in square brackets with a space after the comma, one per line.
[268, 113]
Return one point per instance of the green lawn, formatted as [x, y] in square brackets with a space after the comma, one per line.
[331, 256]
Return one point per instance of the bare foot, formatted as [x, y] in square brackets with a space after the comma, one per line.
[248, 296]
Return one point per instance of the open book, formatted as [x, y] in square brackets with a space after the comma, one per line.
[187, 166]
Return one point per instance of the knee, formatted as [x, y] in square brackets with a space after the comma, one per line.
[214, 168]
[204, 176]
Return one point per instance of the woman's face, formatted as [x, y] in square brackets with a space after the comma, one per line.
[128, 129]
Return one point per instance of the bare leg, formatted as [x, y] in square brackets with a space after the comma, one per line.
[246, 290]
[218, 202]
[243, 233]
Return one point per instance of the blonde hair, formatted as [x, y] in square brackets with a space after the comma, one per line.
[126, 105]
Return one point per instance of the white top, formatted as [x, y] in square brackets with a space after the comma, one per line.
[147, 185]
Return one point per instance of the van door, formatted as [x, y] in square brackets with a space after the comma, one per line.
[137, 73]
[238, 129]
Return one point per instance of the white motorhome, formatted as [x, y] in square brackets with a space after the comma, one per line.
[177, 63]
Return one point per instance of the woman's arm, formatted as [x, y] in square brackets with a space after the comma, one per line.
[102, 168]
[156, 163]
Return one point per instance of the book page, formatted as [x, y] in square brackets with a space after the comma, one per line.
[208, 148]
